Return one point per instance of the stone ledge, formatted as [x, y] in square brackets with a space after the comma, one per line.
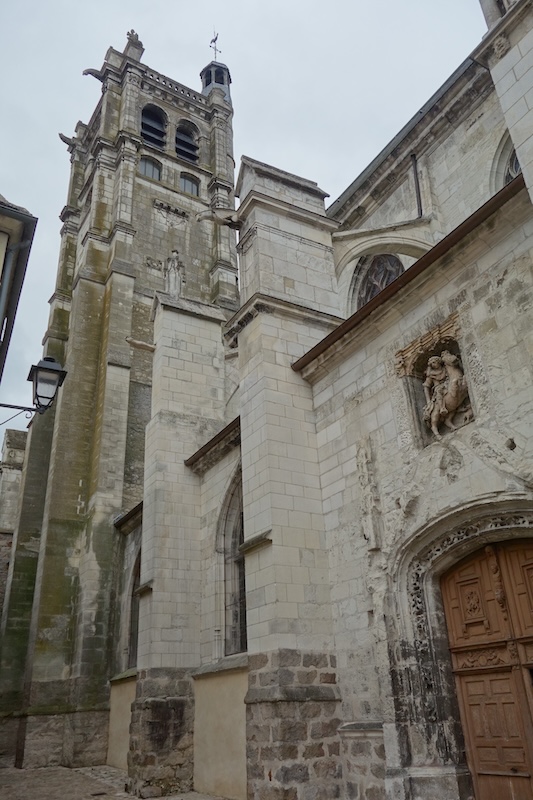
[262, 539]
[124, 676]
[239, 661]
[292, 694]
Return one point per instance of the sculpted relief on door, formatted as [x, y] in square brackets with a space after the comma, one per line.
[488, 600]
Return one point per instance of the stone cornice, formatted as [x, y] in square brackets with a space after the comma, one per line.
[193, 307]
[264, 304]
[216, 448]
[280, 176]
[496, 43]
[130, 520]
[284, 209]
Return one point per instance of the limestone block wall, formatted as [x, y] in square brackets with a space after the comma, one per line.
[286, 243]
[13, 450]
[293, 748]
[388, 492]
[185, 414]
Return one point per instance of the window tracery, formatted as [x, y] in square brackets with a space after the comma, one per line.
[372, 274]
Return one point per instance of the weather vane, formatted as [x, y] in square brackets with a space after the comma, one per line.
[213, 44]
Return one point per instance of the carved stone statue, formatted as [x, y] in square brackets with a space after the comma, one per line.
[174, 274]
[446, 392]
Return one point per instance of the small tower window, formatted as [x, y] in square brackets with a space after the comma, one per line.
[150, 168]
[153, 124]
[186, 146]
[219, 75]
[189, 184]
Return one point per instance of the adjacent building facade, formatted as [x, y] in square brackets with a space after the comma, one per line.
[285, 546]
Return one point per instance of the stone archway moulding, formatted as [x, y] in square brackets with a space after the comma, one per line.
[421, 569]
[372, 244]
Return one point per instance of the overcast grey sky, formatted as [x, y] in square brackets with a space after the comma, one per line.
[319, 88]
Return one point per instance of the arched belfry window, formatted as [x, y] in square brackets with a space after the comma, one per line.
[234, 578]
[189, 184]
[513, 168]
[153, 125]
[372, 274]
[187, 142]
[150, 168]
[134, 614]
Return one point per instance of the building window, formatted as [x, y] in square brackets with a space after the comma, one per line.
[372, 274]
[513, 168]
[153, 125]
[189, 184]
[133, 639]
[219, 75]
[234, 578]
[150, 168]
[186, 146]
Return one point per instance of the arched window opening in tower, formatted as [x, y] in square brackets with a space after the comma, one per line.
[379, 270]
[150, 168]
[189, 184]
[219, 76]
[153, 126]
[186, 146]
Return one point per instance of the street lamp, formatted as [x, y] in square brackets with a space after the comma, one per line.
[47, 376]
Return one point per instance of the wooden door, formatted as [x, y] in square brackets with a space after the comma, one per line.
[488, 601]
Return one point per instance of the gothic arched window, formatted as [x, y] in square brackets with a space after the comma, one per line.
[134, 615]
[373, 273]
[189, 184]
[186, 142]
[153, 125]
[150, 168]
[513, 167]
[234, 579]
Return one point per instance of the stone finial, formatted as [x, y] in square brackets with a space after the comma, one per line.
[134, 47]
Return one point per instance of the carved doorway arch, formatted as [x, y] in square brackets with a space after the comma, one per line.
[488, 603]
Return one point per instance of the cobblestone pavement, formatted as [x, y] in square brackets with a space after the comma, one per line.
[60, 783]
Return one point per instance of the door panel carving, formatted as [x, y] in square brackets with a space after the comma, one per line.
[488, 602]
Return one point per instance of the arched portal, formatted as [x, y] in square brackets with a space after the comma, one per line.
[488, 604]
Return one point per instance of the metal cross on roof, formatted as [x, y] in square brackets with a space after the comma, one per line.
[213, 44]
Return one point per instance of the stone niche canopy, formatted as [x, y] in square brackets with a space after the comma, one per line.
[437, 389]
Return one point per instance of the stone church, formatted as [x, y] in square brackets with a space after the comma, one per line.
[275, 538]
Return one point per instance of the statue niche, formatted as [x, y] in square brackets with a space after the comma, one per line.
[446, 393]
[435, 381]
